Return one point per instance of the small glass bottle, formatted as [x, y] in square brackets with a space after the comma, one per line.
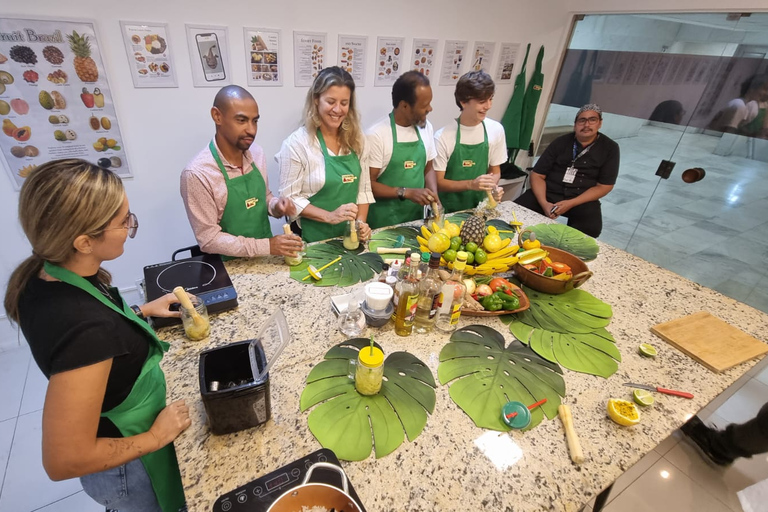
[351, 237]
[352, 321]
[423, 265]
[452, 296]
[369, 370]
[384, 273]
[407, 292]
[406, 267]
[430, 297]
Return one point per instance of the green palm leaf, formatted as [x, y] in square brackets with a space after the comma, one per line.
[594, 353]
[568, 239]
[353, 267]
[352, 424]
[576, 311]
[388, 238]
[491, 374]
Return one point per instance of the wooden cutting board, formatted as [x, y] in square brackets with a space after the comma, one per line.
[710, 341]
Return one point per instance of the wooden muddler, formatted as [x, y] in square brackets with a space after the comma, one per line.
[187, 304]
[574, 447]
[287, 229]
[392, 250]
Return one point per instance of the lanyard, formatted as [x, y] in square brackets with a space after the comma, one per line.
[583, 151]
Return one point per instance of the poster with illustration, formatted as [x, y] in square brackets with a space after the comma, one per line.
[389, 60]
[352, 51]
[424, 56]
[309, 49]
[55, 99]
[209, 55]
[150, 61]
[507, 55]
[263, 57]
[482, 56]
[453, 61]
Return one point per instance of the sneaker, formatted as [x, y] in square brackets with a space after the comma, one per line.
[701, 437]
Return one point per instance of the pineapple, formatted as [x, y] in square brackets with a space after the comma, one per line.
[85, 67]
[473, 229]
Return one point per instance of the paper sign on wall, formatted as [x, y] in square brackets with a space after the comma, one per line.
[150, 60]
[209, 55]
[389, 60]
[507, 55]
[309, 56]
[352, 51]
[264, 60]
[424, 56]
[482, 56]
[453, 60]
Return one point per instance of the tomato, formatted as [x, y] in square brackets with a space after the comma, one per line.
[560, 267]
[499, 284]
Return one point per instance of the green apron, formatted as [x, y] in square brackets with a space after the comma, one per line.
[467, 162]
[341, 185]
[752, 128]
[530, 102]
[136, 414]
[405, 169]
[511, 120]
[246, 212]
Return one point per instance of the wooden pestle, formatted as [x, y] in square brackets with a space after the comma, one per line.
[574, 446]
[491, 201]
[187, 304]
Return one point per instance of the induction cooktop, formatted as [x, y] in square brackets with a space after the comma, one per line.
[203, 276]
[258, 495]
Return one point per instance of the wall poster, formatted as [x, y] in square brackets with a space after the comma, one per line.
[150, 60]
[309, 49]
[209, 55]
[389, 60]
[507, 55]
[55, 100]
[424, 56]
[482, 56]
[453, 60]
[352, 51]
[263, 57]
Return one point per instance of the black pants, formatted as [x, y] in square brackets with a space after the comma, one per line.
[745, 439]
[587, 217]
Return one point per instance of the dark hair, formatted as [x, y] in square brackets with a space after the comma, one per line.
[475, 85]
[753, 82]
[670, 111]
[404, 88]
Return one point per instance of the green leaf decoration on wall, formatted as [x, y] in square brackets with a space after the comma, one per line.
[352, 424]
[576, 311]
[487, 374]
[388, 238]
[352, 268]
[568, 239]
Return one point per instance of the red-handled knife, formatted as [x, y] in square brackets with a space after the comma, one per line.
[660, 390]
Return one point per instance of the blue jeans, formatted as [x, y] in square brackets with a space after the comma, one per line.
[126, 488]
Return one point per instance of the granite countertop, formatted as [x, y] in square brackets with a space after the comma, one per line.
[453, 465]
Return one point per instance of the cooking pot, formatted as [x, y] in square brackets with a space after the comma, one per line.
[317, 494]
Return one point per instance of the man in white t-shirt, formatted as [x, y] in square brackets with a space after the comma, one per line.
[470, 151]
[401, 148]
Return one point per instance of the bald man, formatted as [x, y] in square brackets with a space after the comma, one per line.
[225, 187]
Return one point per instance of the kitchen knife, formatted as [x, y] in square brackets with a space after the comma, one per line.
[659, 389]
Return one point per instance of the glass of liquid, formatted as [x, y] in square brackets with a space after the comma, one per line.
[351, 236]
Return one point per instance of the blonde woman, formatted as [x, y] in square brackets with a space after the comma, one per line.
[320, 168]
[104, 419]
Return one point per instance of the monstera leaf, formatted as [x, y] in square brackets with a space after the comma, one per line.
[490, 375]
[388, 238]
[351, 424]
[572, 312]
[594, 353]
[353, 267]
[568, 239]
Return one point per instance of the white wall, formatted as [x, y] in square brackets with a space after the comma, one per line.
[164, 128]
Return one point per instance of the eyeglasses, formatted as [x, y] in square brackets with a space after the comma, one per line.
[131, 224]
[587, 120]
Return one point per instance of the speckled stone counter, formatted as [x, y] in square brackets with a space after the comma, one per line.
[445, 468]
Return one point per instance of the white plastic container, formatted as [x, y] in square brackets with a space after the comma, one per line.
[378, 295]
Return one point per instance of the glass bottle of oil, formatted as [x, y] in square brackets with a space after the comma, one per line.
[430, 290]
[407, 292]
[452, 296]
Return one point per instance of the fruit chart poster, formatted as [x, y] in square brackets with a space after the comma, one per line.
[55, 100]
[149, 56]
[264, 57]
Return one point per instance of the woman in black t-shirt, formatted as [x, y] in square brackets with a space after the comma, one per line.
[104, 418]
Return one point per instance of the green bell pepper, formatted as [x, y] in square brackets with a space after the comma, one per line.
[492, 302]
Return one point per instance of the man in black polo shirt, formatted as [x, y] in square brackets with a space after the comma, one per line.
[575, 171]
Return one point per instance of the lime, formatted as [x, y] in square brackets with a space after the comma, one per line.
[642, 397]
[480, 257]
[462, 248]
[471, 247]
[450, 255]
[623, 412]
[647, 350]
[455, 243]
[470, 258]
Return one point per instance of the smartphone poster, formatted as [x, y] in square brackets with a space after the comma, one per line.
[209, 55]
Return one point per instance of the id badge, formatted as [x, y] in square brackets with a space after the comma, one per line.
[570, 175]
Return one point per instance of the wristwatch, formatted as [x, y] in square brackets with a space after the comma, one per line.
[136, 309]
[401, 193]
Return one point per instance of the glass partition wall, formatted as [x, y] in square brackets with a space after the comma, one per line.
[685, 97]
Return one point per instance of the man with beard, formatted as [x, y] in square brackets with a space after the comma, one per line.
[575, 171]
[401, 149]
[225, 187]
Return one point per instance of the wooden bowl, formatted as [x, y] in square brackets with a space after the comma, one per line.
[524, 304]
[550, 285]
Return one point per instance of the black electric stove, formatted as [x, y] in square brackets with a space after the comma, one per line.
[203, 276]
[259, 495]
